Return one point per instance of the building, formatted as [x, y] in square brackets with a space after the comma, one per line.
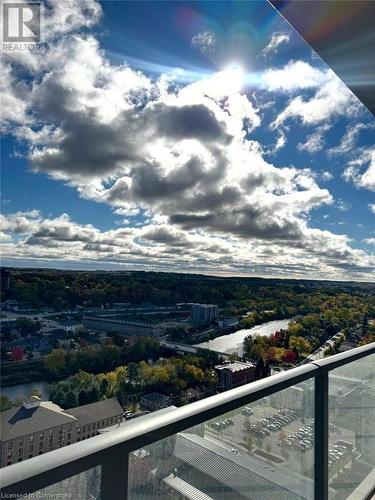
[7, 325]
[131, 328]
[155, 401]
[69, 326]
[203, 466]
[225, 323]
[37, 344]
[41, 426]
[204, 313]
[235, 374]
[10, 305]
[347, 394]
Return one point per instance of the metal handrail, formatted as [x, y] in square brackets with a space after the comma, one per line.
[44, 470]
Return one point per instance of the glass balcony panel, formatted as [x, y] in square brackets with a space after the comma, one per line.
[261, 451]
[351, 430]
[83, 486]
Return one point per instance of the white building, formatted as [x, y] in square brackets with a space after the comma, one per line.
[204, 313]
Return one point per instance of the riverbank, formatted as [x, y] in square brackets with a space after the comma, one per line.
[232, 343]
[23, 372]
[22, 391]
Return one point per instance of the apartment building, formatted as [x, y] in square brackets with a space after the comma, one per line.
[204, 313]
[41, 426]
[235, 374]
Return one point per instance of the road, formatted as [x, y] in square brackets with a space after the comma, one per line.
[47, 324]
[187, 349]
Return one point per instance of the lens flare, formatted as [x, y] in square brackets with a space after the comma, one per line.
[231, 78]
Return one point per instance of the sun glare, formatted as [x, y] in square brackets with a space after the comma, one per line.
[231, 78]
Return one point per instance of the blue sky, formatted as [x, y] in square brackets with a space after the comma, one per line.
[200, 137]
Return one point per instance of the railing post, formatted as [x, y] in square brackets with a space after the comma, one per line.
[115, 474]
[321, 437]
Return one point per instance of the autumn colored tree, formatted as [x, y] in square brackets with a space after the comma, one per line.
[289, 357]
[16, 353]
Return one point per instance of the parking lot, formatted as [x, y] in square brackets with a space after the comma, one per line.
[279, 436]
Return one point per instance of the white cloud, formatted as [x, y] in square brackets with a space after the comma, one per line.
[205, 42]
[315, 141]
[349, 139]
[331, 97]
[327, 176]
[361, 171]
[170, 248]
[181, 156]
[369, 241]
[295, 75]
[276, 40]
[371, 207]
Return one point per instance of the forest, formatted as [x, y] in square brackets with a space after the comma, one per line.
[63, 290]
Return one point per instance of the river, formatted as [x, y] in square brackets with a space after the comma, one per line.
[233, 342]
[23, 390]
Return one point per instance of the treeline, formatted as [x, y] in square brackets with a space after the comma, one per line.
[67, 289]
[307, 333]
[23, 372]
[169, 376]
[61, 363]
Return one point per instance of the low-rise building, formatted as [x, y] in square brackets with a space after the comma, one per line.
[10, 305]
[155, 401]
[235, 374]
[37, 344]
[227, 322]
[69, 326]
[41, 426]
[131, 328]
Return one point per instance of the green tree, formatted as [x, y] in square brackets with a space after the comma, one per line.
[133, 373]
[301, 345]
[248, 441]
[55, 361]
[71, 400]
[5, 403]
[26, 326]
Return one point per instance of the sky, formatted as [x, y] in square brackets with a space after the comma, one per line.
[202, 137]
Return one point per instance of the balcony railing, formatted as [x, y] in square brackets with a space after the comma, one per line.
[306, 433]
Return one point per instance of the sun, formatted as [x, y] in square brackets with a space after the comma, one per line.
[231, 78]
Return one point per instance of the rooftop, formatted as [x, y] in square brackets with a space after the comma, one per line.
[245, 475]
[21, 421]
[96, 411]
[236, 366]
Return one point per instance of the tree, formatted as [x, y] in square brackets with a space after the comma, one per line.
[16, 353]
[55, 361]
[289, 357]
[36, 392]
[259, 369]
[26, 326]
[301, 345]
[71, 400]
[118, 339]
[5, 403]
[247, 425]
[248, 441]
[133, 372]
